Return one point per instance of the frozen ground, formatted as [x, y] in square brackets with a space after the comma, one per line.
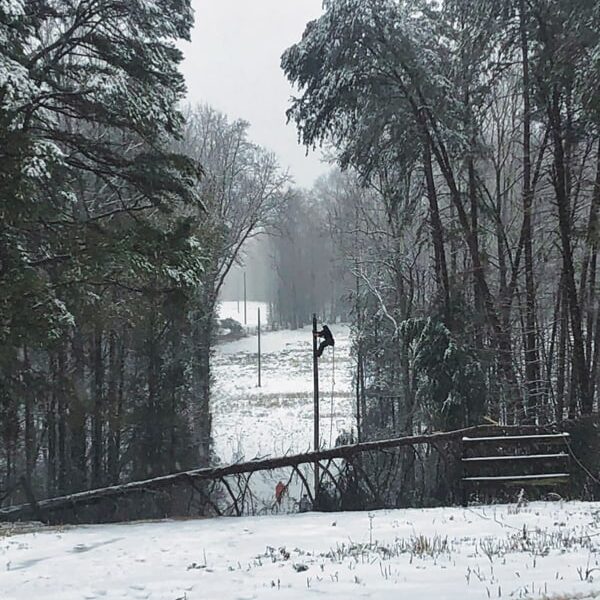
[539, 551]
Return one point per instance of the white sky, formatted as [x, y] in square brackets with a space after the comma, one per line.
[232, 64]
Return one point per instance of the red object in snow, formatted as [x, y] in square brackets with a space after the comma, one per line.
[279, 492]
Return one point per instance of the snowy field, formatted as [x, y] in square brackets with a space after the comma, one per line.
[235, 310]
[538, 551]
[277, 418]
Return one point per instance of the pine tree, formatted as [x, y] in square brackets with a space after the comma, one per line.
[98, 220]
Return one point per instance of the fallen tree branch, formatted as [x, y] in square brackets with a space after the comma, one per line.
[71, 501]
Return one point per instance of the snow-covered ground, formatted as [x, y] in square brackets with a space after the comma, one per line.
[538, 551]
[277, 418]
[235, 310]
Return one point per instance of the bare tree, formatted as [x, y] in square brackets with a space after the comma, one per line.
[241, 191]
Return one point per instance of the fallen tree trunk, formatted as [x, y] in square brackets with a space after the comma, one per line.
[72, 501]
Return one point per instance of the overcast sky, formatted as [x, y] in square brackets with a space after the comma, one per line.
[232, 64]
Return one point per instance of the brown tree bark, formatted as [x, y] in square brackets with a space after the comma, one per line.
[437, 232]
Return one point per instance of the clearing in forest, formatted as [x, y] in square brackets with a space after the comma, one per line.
[277, 418]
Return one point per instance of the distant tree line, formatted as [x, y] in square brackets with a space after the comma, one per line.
[119, 219]
[308, 271]
[468, 213]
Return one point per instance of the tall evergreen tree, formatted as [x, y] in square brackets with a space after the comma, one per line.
[93, 230]
[491, 107]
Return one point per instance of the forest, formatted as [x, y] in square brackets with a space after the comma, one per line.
[467, 213]
[122, 210]
[457, 232]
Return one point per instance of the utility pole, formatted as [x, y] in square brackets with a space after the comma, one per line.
[358, 361]
[245, 313]
[316, 407]
[359, 357]
[259, 346]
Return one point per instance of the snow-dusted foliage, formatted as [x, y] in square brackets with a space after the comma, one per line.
[100, 246]
[88, 94]
[368, 72]
[476, 124]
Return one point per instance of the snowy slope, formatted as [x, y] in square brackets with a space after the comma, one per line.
[450, 553]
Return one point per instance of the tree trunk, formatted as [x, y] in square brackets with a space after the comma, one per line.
[562, 352]
[477, 290]
[581, 375]
[589, 266]
[77, 415]
[201, 414]
[51, 429]
[152, 459]
[532, 367]
[62, 419]
[113, 408]
[437, 233]
[97, 449]
[30, 437]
